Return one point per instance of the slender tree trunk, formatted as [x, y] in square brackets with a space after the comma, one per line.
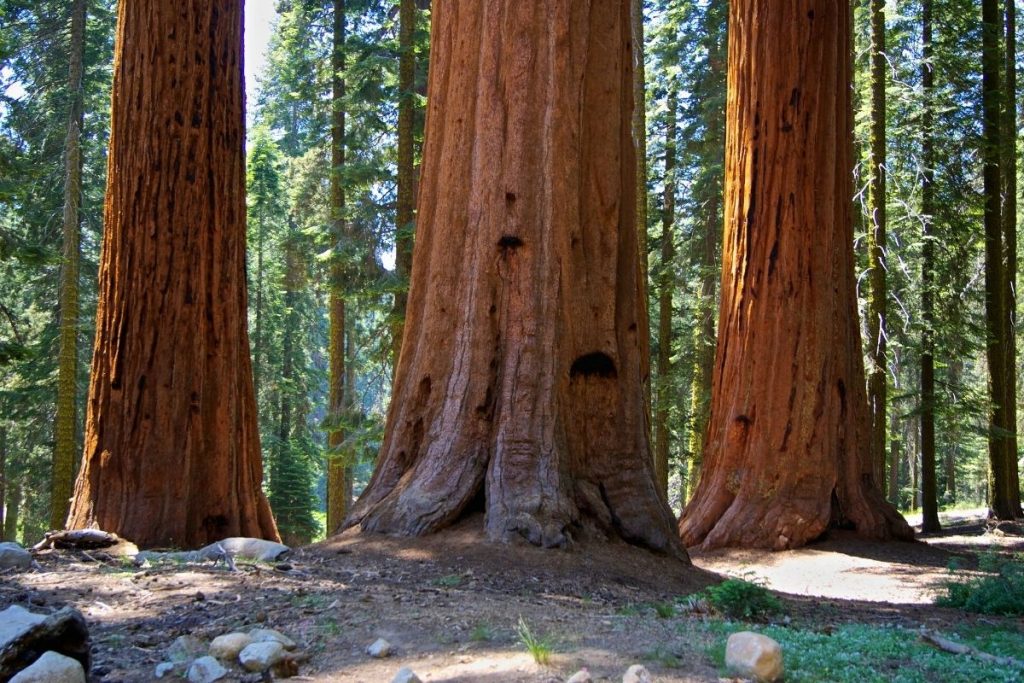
[258, 342]
[953, 438]
[337, 467]
[13, 516]
[405, 204]
[929, 490]
[280, 484]
[665, 290]
[523, 373]
[1000, 499]
[66, 419]
[172, 452]
[704, 343]
[893, 482]
[787, 448]
[877, 267]
[1009, 217]
[3, 478]
[640, 137]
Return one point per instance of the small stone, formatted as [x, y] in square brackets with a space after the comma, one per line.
[13, 556]
[637, 673]
[206, 670]
[263, 635]
[406, 675]
[165, 668]
[261, 656]
[185, 648]
[228, 646]
[752, 655]
[581, 676]
[52, 668]
[379, 649]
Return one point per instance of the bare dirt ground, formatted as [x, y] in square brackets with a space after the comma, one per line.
[450, 604]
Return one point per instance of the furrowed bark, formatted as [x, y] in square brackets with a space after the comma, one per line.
[172, 453]
[787, 453]
[522, 376]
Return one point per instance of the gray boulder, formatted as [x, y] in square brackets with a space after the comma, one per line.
[52, 668]
[261, 656]
[25, 636]
[13, 556]
[206, 670]
[406, 675]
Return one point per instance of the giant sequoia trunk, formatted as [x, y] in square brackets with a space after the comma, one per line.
[787, 447]
[521, 373]
[172, 454]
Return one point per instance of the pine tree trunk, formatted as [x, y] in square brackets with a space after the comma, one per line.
[929, 490]
[3, 478]
[1000, 498]
[279, 484]
[13, 509]
[704, 343]
[787, 448]
[523, 374]
[877, 300]
[258, 343]
[405, 201]
[66, 419]
[337, 467]
[666, 286]
[640, 137]
[1009, 217]
[172, 453]
[893, 482]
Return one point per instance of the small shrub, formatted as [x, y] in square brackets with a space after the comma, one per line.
[1000, 592]
[539, 648]
[481, 633]
[664, 610]
[449, 581]
[739, 599]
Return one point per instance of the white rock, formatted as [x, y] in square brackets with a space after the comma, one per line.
[206, 670]
[406, 675]
[581, 676]
[16, 621]
[261, 656]
[250, 548]
[379, 649]
[165, 668]
[185, 648]
[52, 668]
[752, 655]
[13, 556]
[228, 646]
[264, 635]
[637, 673]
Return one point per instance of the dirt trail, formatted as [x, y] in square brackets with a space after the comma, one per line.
[450, 604]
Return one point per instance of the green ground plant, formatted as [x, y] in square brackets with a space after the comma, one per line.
[540, 648]
[999, 591]
[865, 653]
[739, 599]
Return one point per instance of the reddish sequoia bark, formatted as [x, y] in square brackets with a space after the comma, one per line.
[521, 370]
[172, 453]
[787, 447]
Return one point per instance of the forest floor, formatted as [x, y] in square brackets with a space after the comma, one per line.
[450, 605]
